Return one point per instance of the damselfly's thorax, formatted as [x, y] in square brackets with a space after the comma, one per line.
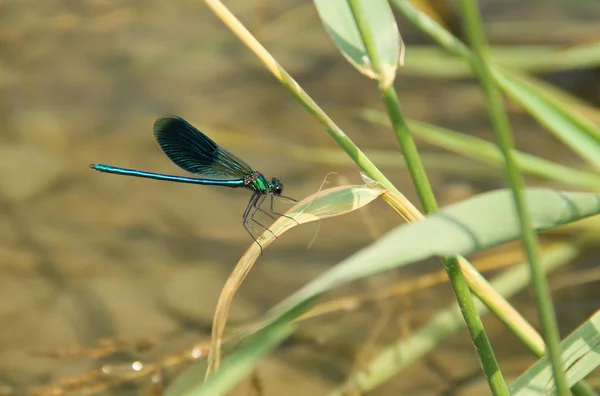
[253, 177]
[257, 182]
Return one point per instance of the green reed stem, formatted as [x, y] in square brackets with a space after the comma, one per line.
[361, 160]
[474, 30]
[447, 41]
[420, 20]
[427, 198]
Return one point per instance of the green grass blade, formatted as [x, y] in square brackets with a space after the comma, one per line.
[585, 112]
[430, 61]
[474, 224]
[579, 134]
[475, 32]
[395, 358]
[368, 33]
[582, 137]
[339, 22]
[555, 99]
[486, 152]
[580, 356]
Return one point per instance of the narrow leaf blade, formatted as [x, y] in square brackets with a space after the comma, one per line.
[477, 223]
[581, 356]
[339, 22]
[582, 137]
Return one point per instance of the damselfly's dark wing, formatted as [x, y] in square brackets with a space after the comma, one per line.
[196, 153]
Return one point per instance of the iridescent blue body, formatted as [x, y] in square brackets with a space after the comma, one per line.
[196, 153]
[159, 176]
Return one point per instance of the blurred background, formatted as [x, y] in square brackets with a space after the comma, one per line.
[87, 257]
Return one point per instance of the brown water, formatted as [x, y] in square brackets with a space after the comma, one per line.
[87, 256]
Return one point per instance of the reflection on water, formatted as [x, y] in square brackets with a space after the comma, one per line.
[87, 256]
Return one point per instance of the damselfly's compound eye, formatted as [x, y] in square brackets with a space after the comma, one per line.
[277, 186]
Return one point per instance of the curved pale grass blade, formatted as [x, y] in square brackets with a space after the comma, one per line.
[327, 203]
[377, 16]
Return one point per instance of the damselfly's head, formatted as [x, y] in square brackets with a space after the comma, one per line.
[276, 186]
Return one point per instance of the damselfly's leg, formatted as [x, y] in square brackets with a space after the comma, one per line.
[257, 204]
[246, 224]
[265, 212]
[280, 214]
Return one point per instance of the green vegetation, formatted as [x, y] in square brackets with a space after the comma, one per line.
[366, 34]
